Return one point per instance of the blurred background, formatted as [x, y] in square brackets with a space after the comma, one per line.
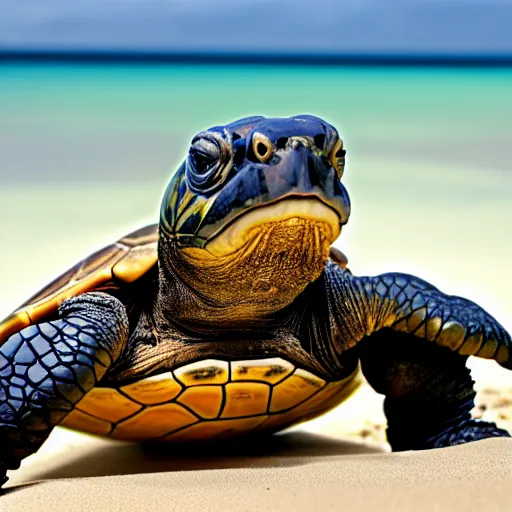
[99, 101]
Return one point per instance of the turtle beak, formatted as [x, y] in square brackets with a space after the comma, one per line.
[302, 171]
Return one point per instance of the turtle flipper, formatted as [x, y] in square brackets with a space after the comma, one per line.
[45, 369]
[429, 392]
[410, 305]
[413, 342]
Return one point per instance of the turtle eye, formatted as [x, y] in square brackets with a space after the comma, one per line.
[208, 163]
[204, 154]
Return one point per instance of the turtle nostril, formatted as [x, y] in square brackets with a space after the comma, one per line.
[239, 155]
[319, 141]
[281, 142]
[262, 147]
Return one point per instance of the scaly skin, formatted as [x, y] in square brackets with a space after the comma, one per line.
[404, 303]
[46, 369]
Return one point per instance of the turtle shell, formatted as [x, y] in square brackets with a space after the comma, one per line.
[199, 400]
[123, 262]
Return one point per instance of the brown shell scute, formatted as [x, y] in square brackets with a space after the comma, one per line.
[210, 399]
[142, 236]
[122, 262]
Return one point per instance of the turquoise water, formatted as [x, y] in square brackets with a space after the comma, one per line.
[86, 151]
[418, 113]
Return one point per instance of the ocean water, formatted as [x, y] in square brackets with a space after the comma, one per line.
[86, 152]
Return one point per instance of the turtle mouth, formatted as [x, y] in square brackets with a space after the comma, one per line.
[289, 211]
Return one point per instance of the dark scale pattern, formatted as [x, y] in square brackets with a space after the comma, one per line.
[413, 342]
[465, 432]
[363, 305]
[46, 369]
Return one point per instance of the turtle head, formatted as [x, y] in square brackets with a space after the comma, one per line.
[262, 196]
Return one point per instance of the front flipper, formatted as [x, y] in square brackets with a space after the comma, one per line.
[47, 368]
[413, 342]
[404, 303]
[429, 392]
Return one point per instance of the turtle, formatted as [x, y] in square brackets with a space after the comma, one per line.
[235, 316]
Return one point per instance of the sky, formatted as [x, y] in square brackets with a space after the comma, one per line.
[295, 26]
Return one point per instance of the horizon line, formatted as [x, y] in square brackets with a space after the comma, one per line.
[270, 58]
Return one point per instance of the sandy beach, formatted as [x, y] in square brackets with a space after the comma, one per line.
[470, 478]
[474, 477]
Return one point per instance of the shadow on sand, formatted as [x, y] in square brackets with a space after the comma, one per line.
[283, 450]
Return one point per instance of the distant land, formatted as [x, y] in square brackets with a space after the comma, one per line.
[357, 29]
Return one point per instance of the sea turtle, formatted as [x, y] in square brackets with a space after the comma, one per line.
[233, 317]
